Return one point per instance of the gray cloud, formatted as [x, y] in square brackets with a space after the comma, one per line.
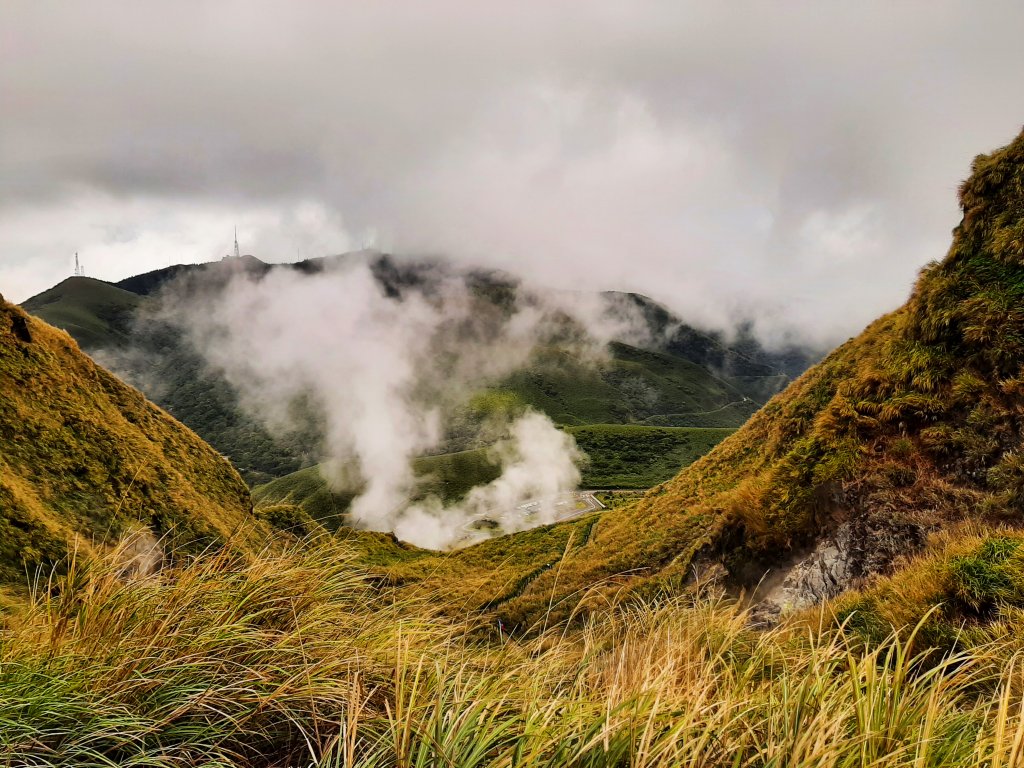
[797, 162]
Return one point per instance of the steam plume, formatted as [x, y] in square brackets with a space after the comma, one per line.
[386, 371]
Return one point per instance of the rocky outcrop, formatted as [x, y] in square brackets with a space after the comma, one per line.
[853, 553]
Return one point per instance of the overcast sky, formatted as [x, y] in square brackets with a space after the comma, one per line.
[796, 162]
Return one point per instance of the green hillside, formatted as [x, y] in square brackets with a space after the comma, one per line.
[97, 314]
[85, 459]
[308, 490]
[912, 427]
[720, 387]
[634, 385]
[449, 476]
[631, 456]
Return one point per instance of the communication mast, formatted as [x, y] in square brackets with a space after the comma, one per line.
[79, 269]
[237, 255]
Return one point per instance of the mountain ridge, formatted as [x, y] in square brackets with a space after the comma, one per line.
[720, 392]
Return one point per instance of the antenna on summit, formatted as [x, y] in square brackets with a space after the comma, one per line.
[79, 269]
[236, 243]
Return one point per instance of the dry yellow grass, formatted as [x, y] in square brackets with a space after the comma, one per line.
[298, 658]
[84, 455]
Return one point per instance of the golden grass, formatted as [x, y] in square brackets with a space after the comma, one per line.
[83, 454]
[298, 658]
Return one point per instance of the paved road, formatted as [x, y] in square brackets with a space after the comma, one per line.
[586, 502]
[566, 506]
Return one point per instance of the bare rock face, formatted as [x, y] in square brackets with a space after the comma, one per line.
[823, 574]
[19, 326]
[854, 551]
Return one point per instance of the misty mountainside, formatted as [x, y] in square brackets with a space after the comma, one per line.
[911, 429]
[152, 356]
[86, 461]
[672, 375]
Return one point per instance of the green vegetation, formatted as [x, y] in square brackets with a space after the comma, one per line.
[448, 476]
[634, 456]
[634, 385]
[300, 658]
[308, 490]
[96, 313]
[966, 588]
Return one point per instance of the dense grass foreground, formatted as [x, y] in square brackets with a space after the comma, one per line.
[296, 659]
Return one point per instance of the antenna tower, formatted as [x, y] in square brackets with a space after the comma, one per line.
[79, 269]
[236, 243]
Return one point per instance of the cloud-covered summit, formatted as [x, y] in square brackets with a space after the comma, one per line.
[790, 161]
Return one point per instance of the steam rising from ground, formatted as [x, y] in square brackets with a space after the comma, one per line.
[387, 373]
[538, 462]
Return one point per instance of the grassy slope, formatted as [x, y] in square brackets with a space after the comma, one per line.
[308, 490]
[640, 457]
[448, 476]
[634, 385]
[913, 425]
[82, 454]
